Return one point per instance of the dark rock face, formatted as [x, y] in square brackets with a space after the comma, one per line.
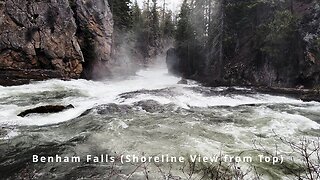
[173, 61]
[95, 28]
[45, 109]
[42, 37]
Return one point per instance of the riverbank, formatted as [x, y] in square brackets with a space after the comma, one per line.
[306, 95]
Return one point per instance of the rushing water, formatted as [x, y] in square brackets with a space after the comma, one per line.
[147, 114]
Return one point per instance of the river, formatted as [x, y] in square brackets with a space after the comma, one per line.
[146, 115]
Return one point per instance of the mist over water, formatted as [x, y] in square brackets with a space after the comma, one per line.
[147, 113]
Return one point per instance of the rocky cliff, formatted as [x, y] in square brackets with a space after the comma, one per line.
[64, 39]
[263, 43]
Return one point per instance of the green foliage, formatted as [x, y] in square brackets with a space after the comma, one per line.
[280, 31]
[136, 16]
[239, 14]
[139, 29]
[154, 23]
[317, 47]
[121, 14]
[167, 26]
[184, 28]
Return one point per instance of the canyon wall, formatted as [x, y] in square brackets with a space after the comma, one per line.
[63, 39]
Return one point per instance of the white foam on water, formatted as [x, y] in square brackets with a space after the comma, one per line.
[203, 146]
[96, 93]
[11, 134]
[285, 124]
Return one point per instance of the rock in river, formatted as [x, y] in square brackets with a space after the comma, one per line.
[45, 109]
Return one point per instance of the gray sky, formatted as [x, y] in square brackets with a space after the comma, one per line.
[171, 4]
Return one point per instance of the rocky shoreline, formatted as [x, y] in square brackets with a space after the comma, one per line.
[303, 94]
[14, 77]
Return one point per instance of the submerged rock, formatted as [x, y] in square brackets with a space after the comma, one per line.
[45, 109]
[183, 81]
[150, 106]
[113, 108]
[3, 132]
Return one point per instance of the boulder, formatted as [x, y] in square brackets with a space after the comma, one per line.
[45, 109]
[183, 81]
[150, 106]
[173, 62]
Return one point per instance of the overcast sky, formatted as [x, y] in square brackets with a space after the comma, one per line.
[172, 4]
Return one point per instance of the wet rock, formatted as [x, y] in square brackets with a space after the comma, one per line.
[53, 39]
[311, 97]
[45, 109]
[13, 77]
[231, 90]
[183, 81]
[158, 92]
[303, 94]
[3, 132]
[150, 106]
[86, 112]
[113, 109]
[38, 35]
[173, 62]
[94, 33]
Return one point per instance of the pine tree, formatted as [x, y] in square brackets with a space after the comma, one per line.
[167, 26]
[121, 14]
[137, 20]
[184, 28]
[154, 24]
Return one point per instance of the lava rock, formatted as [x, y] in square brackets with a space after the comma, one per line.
[94, 34]
[45, 109]
[41, 40]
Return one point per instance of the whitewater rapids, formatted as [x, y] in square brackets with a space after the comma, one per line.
[149, 113]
